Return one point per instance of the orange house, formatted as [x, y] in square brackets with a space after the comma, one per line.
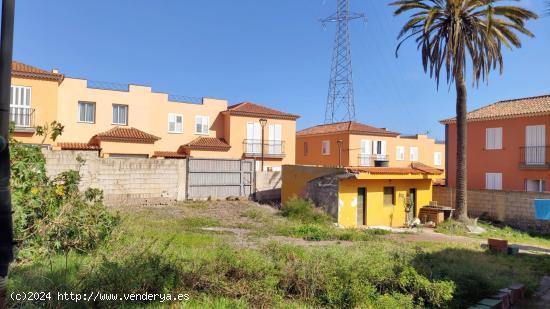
[507, 146]
[357, 144]
[134, 121]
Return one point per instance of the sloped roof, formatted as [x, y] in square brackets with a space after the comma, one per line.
[523, 107]
[349, 127]
[169, 155]
[77, 146]
[19, 69]
[255, 110]
[207, 143]
[127, 135]
[413, 169]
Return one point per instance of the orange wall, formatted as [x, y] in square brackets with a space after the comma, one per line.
[352, 148]
[505, 161]
[44, 101]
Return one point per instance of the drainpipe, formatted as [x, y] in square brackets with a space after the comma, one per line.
[6, 228]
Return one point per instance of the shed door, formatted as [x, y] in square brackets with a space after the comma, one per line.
[535, 150]
[361, 206]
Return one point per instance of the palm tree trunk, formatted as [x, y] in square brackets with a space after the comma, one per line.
[461, 203]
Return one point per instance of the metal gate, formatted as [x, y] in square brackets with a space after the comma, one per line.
[219, 178]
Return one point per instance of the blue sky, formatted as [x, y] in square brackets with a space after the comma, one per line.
[272, 52]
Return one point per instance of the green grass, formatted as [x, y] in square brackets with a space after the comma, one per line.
[495, 231]
[158, 252]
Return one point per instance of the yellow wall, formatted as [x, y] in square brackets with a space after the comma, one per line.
[351, 149]
[294, 179]
[44, 101]
[377, 213]
[237, 134]
[109, 148]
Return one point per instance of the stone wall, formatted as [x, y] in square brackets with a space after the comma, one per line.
[268, 186]
[514, 208]
[124, 181]
[323, 192]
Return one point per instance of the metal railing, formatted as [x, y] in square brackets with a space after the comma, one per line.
[534, 156]
[370, 159]
[271, 148]
[22, 117]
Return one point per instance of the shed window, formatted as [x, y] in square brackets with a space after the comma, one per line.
[325, 148]
[389, 196]
[306, 148]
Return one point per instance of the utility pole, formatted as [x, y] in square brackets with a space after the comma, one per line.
[340, 93]
[6, 224]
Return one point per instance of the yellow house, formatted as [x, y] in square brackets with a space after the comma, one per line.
[134, 121]
[33, 102]
[356, 144]
[364, 196]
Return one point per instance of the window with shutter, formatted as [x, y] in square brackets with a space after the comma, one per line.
[437, 158]
[493, 138]
[400, 153]
[175, 123]
[414, 154]
[201, 125]
[493, 181]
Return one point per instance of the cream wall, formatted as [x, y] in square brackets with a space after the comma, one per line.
[314, 155]
[147, 111]
[426, 149]
[237, 134]
[44, 95]
[109, 148]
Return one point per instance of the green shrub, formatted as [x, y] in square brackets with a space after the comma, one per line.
[304, 211]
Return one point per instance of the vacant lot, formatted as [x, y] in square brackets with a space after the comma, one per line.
[241, 255]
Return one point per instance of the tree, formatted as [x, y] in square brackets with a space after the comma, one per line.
[457, 35]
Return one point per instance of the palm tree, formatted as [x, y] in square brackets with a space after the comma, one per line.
[456, 35]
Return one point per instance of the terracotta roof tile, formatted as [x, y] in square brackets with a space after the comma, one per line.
[523, 107]
[19, 69]
[77, 146]
[349, 127]
[169, 155]
[128, 135]
[413, 169]
[255, 110]
[208, 143]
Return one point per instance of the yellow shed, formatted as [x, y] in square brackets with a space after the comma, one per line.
[370, 196]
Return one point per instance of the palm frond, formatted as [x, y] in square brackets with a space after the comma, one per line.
[453, 35]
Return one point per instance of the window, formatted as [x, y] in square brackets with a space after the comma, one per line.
[400, 153]
[493, 138]
[175, 123]
[437, 158]
[325, 148]
[253, 138]
[306, 148]
[389, 196]
[414, 154]
[275, 143]
[201, 124]
[120, 114]
[535, 185]
[86, 112]
[365, 157]
[20, 106]
[493, 181]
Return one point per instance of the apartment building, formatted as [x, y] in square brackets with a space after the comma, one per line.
[507, 146]
[135, 121]
[356, 144]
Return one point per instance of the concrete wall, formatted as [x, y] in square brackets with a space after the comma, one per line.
[323, 192]
[296, 177]
[268, 186]
[511, 207]
[124, 181]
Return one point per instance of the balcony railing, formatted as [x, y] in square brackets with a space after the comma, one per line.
[370, 159]
[534, 157]
[22, 117]
[271, 149]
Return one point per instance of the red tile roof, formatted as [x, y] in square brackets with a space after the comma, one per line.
[207, 143]
[19, 69]
[255, 110]
[349, 127]
[169, 155]
[77, 146]
[126, 135]
[523, 107]
[413, 169]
